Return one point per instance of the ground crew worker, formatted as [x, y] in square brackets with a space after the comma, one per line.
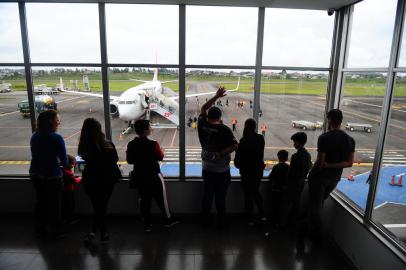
[234, 123]
[263, 129]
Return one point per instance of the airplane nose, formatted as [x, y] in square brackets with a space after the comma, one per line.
[124, 112]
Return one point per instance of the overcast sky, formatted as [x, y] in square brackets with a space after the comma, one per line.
[215, 35]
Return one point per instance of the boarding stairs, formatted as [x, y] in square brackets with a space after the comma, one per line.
[170, 113]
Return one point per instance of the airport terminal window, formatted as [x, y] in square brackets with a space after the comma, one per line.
[10, 34]
[300, 38]
[221, 35]
[238, 105]
[142, 33]
[15, 125]
[66, 89]
[132, 91]
[371, 33]
[402, 56]
[64, 33]
[291, 102]
[389, 206]
[361, 104]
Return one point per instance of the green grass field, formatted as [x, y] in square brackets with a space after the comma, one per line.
[120, 82]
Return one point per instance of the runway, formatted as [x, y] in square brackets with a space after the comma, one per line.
[278, 112]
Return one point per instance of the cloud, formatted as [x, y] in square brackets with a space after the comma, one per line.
[10, 34]
[214, 35]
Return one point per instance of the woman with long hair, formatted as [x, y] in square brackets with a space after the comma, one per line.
[100, 173]
[249, 158]
[48, 155]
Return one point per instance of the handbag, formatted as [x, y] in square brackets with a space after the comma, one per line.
[132, 180]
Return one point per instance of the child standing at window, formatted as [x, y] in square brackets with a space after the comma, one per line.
[68, 196]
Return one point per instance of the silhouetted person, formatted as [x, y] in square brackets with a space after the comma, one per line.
[249, 158]
[218, 142]
[145, 155]
[278, 178]
[68, 196]
[48, 155]
[300, 164]
[335, 151]
[189, 121]
[234, 123]
[100, 174]
[263, 129]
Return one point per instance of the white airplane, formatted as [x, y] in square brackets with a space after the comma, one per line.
[137, 101]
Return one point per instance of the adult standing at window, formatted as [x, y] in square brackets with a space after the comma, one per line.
[335, 151]
[145, 155]
[99, 175]
[48, 153]
[249, 158]
[218, 142]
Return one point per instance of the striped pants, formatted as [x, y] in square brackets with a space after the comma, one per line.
[153, 189]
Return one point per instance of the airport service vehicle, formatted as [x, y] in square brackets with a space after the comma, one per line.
[140, 100]
[306, 125]
[42, 89]
[359, 127]
[5, 87]
[42, 103]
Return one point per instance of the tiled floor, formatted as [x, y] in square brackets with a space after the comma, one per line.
[187, 246]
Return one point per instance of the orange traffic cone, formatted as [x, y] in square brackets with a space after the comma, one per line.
[350, 177]
[392, 181]
[400, 181]
[121, 137]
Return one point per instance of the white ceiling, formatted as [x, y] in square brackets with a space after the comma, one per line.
[296, 4]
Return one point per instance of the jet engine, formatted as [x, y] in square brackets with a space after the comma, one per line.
[114, 110]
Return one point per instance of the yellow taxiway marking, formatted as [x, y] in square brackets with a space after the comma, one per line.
[198, 147]
[267, 162]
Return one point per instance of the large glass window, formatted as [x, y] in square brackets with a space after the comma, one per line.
[63, 33]
[371, 33]
[221, 35]
[297, 38]
[15, 125]
[67, 89]
[402, 56]
[390, 201]
[201, 85]
[146, 93]
[10, 34]
[291, 101]
[361, 105]
[142, 33]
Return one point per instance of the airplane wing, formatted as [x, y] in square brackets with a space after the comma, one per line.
[169, 81]
[208, 93]
[136, 80]
[89, 94]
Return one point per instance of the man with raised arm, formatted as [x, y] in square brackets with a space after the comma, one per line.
[335, 151]
[218, 142]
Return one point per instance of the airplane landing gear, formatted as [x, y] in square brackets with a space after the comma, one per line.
[129, 128]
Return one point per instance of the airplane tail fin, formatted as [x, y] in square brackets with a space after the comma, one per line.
[155, 75]
[61, 87]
